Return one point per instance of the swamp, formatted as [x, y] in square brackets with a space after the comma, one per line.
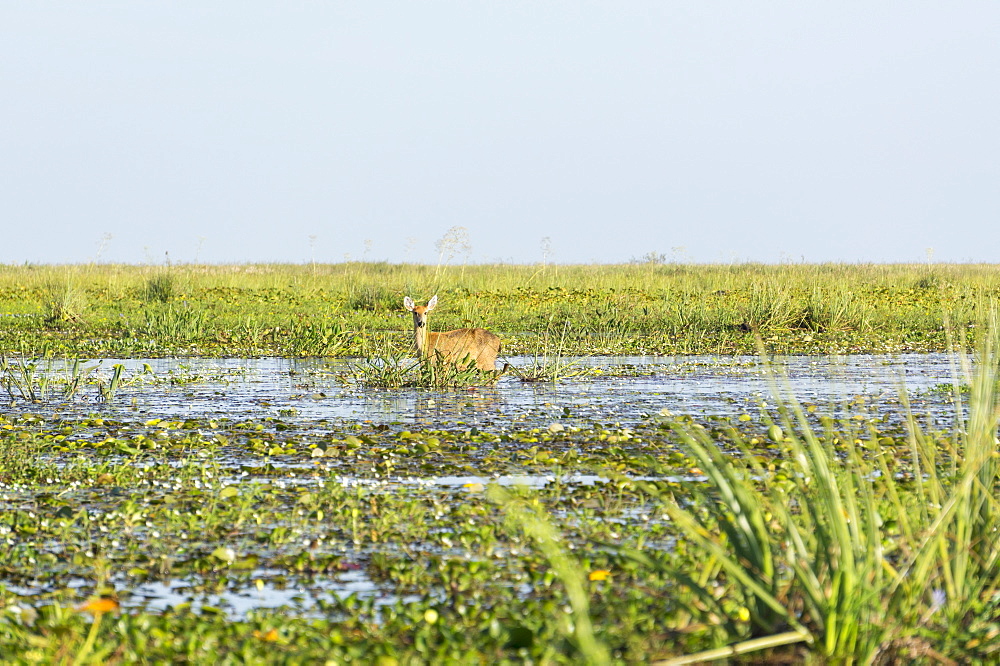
[747, 463]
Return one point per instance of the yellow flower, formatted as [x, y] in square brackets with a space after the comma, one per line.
[270, 637]
[99, 605]
[600, 574]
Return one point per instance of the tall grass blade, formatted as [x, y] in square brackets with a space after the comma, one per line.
[530, 521]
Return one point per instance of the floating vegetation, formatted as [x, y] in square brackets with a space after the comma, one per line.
[301, 529]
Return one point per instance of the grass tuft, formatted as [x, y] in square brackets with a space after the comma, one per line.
[159, 288]
[65, 303]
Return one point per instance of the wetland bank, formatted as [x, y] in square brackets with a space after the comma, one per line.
[789, 462]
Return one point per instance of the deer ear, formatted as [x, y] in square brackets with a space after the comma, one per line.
[408, 303]
[431, 303]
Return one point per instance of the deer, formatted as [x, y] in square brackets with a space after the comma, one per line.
[452, 346]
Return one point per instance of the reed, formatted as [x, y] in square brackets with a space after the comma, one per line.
[811, 554]
[549, 362]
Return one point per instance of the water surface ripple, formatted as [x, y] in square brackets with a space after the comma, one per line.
[628, 389]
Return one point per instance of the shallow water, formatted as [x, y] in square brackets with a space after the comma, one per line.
[313, 393]
[157, 596]
[634, 387]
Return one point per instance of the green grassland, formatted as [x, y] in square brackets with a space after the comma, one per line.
[353, 308]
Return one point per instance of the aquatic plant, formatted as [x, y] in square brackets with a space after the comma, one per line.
[117, 504]
[549, 362]
[110, 389]
[174, 324]
[386, 371]
[952, 582]
[400, 370]
[805, 555]
[26, 379]
[810, 552]
[310, 336]
[371, 297]
[871, 534]
[529, 518]
[42, 379]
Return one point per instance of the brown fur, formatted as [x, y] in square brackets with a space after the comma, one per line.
[452, 346]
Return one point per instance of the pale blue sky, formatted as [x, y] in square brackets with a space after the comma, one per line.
[704, 131]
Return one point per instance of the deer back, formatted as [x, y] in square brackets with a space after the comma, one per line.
[454, 346]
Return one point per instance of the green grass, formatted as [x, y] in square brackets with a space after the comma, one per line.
[118, 310]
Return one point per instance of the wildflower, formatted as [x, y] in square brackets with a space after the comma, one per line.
[269, 637]
[99, 606]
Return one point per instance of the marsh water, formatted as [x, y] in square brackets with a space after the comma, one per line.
[310, 394]
[616, 389]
